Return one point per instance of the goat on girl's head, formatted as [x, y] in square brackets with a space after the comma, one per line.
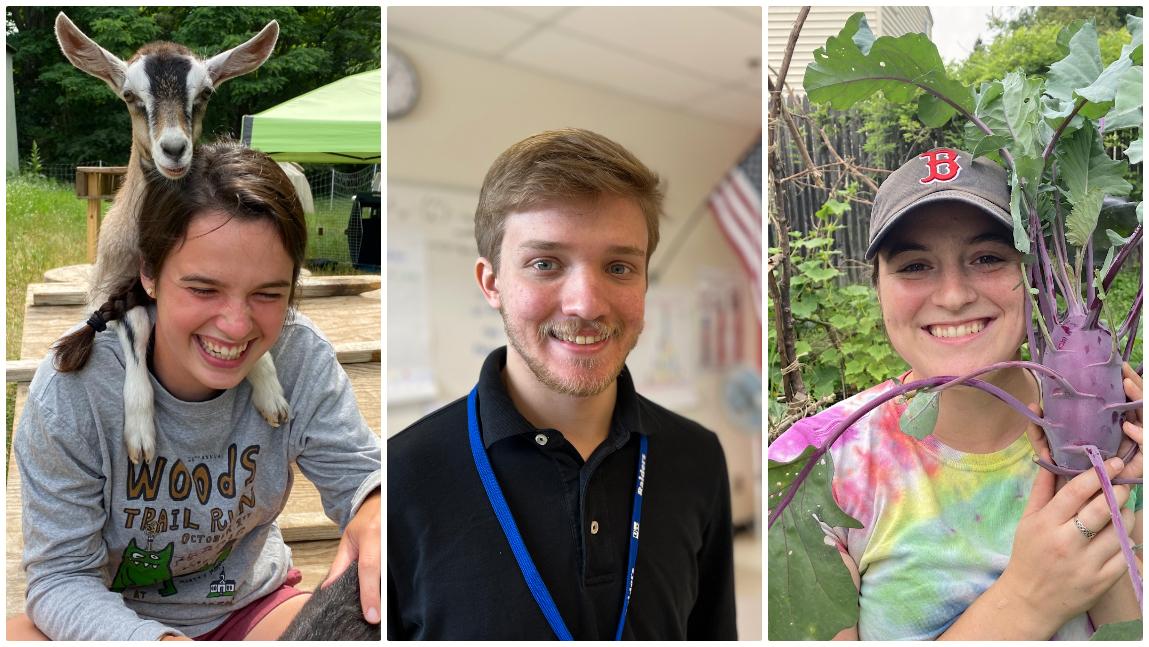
[167, 89]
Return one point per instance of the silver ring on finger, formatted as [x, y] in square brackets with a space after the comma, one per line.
[1089, 534]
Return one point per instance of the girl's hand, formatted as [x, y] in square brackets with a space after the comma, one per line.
[1133, 425]
[361, 541]
[1054, 569]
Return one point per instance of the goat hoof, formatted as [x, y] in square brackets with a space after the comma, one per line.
[140, 441]
[273, 407]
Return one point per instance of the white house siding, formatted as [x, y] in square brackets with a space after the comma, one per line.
[824, 22]
[895, 21]
[11, 155]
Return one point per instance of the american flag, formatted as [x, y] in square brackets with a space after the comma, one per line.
[737, 205]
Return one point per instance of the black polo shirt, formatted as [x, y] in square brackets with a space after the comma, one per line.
[451, 573]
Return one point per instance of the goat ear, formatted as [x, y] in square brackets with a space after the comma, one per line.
[244, 58]
[85, 54]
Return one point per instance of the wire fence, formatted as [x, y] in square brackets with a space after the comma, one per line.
[342, 209]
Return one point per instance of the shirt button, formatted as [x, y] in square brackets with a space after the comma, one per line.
[594, 527]
[541, 439]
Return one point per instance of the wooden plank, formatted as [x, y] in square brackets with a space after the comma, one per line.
[313, 559]
[22, 371]
[314, 287]
[342, 319]
[79, 274]
[13, 531]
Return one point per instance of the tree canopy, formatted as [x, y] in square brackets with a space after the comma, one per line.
[75, 118]
[1029, 41]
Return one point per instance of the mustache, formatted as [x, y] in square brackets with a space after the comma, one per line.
[571, 327]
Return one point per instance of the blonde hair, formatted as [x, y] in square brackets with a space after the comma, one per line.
[562, 165]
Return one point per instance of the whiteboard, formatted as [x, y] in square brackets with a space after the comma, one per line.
[439, 327]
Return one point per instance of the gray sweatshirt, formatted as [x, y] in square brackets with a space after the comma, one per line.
[115, 551]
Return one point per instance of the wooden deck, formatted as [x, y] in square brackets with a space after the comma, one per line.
[347, 310]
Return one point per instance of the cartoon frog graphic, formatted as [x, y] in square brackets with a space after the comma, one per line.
[140, 567]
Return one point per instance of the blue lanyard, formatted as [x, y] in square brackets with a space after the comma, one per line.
[511, 530]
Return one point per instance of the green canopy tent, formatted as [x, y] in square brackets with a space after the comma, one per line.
[336, 124]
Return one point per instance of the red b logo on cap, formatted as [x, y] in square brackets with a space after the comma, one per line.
[943, 163]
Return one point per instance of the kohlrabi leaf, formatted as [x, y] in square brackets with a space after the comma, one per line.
[1133, 48]
[1067, 32]
[1021, 101]
[842, 74]
[1080, 67]
[1133, 153]
[1082, 219]
[1027, 170]
[1130, 630]
[933, 112]
[920, 418]
[1128, 101]
[811, 594]
[1104, 88]
[1085, 167]
[1020, 233]
[988, 108]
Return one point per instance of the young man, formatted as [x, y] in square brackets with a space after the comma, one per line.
[514, 513]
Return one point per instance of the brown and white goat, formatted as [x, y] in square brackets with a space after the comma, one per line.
[166, 88]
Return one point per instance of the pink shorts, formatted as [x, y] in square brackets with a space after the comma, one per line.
[241, 622]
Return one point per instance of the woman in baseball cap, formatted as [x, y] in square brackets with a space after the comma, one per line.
[962, 536]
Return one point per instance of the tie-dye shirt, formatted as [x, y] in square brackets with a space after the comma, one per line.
[938, 523]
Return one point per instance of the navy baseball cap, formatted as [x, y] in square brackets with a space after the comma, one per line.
[936, 175]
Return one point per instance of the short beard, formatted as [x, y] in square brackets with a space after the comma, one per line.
[581, 387]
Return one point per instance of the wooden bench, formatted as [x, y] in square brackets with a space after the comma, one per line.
[346, 309]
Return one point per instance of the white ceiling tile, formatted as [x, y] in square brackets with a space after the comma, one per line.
[576, 58]
[705, 41]
[474, 29]
[536, 14]
[732, 105]
[750, 14]
[686, 58]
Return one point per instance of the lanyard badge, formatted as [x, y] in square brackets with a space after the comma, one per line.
[511, 530]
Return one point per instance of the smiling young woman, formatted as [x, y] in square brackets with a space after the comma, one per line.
[186, 545]
[963, 536]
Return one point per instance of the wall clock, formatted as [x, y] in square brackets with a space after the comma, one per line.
[402, 84]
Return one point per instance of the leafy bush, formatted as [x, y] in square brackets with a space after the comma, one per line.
[841, 346]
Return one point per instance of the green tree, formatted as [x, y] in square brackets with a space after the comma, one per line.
[1029, 42]
[75, 118]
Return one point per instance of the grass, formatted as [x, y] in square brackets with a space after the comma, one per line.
[47, 228]
[327, 240]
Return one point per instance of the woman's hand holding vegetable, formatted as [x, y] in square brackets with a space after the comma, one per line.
[1055, 569]
[1133, 425]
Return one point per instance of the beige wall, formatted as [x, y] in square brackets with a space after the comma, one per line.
[471, 109]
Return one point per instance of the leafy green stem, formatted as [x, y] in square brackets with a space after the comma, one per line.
[1134, 242]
